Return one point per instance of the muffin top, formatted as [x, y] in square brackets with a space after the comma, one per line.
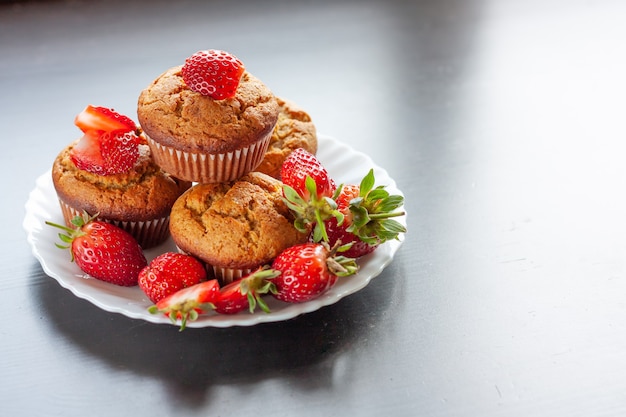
[175, 116]
[294, 129]
[143, 193]
[240, 224]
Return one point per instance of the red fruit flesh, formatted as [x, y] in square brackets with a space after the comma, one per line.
[86, 154]
[120, 151]
[106, 153]
[103, 119]
[186, 304]
[213, 73]
[194, 297]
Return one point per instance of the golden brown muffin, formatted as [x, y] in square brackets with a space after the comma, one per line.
[294, 129]
[139, 201]
[234, 227]
[197, 138]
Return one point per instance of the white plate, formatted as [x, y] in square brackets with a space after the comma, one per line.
[344, 164]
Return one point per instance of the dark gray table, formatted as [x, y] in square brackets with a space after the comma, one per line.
[501, 121]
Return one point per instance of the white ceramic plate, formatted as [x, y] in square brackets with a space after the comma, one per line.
[344, 164]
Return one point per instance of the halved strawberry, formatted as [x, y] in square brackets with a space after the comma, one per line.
[104, 119]
[186, 304]
[213, 73]
[106, 153]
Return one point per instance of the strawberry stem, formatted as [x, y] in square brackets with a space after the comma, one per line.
[71, 234]
[257, 284]
[311, 212]
[376, 216]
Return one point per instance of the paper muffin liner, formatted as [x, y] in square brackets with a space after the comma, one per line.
[209, 167]
[148, 233]
[228, 275]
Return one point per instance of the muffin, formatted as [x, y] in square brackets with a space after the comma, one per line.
[234, 227]
[138, 201]
[198, 138]
[294, 129]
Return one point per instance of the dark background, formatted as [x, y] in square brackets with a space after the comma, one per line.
[501, 121]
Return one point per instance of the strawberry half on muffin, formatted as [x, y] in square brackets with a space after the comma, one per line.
[110, 172]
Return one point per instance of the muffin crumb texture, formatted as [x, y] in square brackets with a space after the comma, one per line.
[144, 193]
[294, 129]
[241, 224]
[173, 115]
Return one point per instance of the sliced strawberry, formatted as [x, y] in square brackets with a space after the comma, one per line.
[213, 73]
[186, 304]
[104, 119]
[106, 153]
[120, 151]
[246, 293]
[86, 153]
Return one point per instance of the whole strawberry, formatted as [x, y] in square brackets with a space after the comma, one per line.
[308, 190]
[367, 217]
[168, 273]
[246, 293]
[338, 232]
[301, 164]
[103, 250]
[308, 270]
[187, 304]
[213, 73]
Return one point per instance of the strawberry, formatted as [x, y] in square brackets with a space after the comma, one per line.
[168, 273]
[106, 153]
[308, 270]
[110, 143]
[103, 119]
[103, 250]
[246, 292]
[308, 190]
[367, 217]
[186, 304]
[301, 164]
[213, 73]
